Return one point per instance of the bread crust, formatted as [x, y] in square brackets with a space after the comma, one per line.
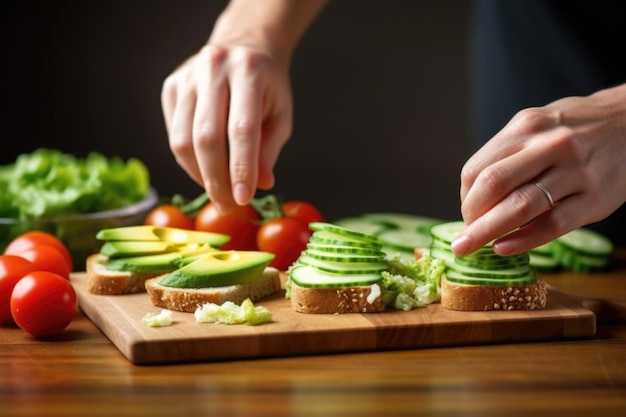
[102, 281]
[488, 297]
[188, 299]
[360, 299]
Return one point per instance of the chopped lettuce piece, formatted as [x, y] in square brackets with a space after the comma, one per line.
[412, 283]
[164, 318]
[231, 313]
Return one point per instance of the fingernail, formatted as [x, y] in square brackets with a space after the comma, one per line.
[504, 248]
[460, 245]
[241, 193]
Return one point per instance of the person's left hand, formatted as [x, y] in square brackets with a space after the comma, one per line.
[575, 147]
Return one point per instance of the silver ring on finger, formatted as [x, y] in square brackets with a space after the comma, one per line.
[546, 193]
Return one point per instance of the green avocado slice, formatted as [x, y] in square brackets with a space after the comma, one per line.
[219, 268]
[164, 234]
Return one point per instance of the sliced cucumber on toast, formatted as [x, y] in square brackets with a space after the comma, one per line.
[338, 256]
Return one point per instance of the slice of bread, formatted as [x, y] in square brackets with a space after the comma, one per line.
[106, 282]
[188, 299]
[359, 299]
[489, 297]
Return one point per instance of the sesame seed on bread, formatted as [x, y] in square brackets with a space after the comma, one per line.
[357, 299]
[491, 297]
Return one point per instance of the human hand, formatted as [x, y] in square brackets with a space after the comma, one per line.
[228, 113]
[575, 147]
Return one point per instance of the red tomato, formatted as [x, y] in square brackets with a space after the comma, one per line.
[302, 210]
[241, 225]
[36, 238]
[47, 258]
[43, 303]
[286, 237]
[12, 269]
[169, 215]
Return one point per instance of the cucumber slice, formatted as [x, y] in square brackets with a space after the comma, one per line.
[447, 256]
[341, 257]
[345, 249]
[307, 276]
[402, 221]
[405, 240]
[583, 250]
[516, 272]
[334, 239]
[342, 231]
[461, 278]
[343, 268]
[578, 262]
[586, 242]
[545, 263]
[493, 261]
[547, 249]
[446, 232]
[362, 225]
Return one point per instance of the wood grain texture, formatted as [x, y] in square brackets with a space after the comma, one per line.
[292, 333]
[81, 373]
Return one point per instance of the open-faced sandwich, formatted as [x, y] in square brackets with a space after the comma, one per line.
[347, 271]
[484, 280]
[179, 269]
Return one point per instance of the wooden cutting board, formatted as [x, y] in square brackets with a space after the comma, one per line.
[291, 333]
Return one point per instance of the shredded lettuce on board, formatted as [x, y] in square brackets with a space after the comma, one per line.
[162, 319]
[231, 313]
[49, 183]
[412, 283]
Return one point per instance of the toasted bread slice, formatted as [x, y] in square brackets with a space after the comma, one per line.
[358, 299]
[490, 297]
[188, 299]
[106, 282]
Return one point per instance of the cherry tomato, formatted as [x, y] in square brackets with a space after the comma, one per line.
[169, 215]
[43, 303]
[36, 238]
[241, 225]
[286, 237]
[47, 258]
[12, 269]
[302, 210]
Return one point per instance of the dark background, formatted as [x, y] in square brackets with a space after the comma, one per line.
[382, 106]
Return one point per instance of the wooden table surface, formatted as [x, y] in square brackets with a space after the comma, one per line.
[82, 373]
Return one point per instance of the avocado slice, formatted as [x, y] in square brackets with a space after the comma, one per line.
[160, 233]
[161, 262]
[123, 248]
[154, 264]
[135, 233]
[218, 269]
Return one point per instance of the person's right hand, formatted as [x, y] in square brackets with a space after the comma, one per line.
[228, 113]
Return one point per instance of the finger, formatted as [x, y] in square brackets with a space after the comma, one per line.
[518, 210]
[498, 148]
[510, 140]
[501, 178]
[180, 132]
[276, 131]
[564, 217]
[209, 127]
[168, 101]
[244, 131]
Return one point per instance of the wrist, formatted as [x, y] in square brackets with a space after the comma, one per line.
[270, 26]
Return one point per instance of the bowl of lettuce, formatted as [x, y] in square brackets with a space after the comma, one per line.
[72, 197]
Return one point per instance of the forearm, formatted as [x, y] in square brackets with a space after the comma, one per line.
[274, 26]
